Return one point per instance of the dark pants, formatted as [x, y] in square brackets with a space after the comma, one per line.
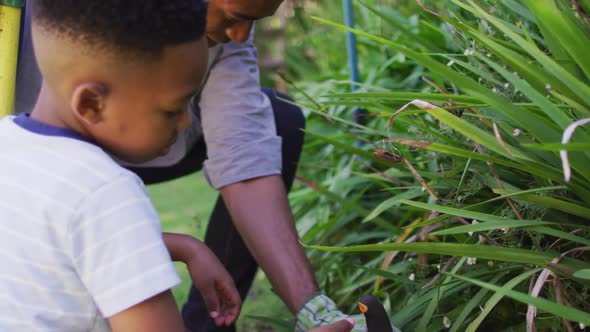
[222, 237]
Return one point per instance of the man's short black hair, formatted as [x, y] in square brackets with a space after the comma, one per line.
[140, 26]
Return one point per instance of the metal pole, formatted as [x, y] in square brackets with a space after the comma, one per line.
[351, 44]
[359, 115]
[10, 14]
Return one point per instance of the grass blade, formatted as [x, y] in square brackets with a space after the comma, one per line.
[560, 310]
[492, 301]
[465, 250]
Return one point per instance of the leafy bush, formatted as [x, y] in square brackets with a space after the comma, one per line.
[451, 202]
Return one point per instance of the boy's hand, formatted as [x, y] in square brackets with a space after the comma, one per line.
[216, 286]
[209, 276]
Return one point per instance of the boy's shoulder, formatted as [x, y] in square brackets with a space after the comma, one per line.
[57, 154]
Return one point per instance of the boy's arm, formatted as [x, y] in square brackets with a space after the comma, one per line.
[209, 276]
[181, 247]
[158, 313]
[116, 245]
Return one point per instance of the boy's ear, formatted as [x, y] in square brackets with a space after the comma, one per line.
[88, 102]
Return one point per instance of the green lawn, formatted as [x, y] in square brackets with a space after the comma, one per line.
[184, 206]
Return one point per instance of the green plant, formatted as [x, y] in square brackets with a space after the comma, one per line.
[474, 96]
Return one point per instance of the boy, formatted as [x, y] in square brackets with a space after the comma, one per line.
[82, 248]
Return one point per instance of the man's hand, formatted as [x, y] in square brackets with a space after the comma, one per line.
[320, 310]
[209, 276]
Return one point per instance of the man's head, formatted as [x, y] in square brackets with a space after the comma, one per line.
[121, 72]
[233, 19]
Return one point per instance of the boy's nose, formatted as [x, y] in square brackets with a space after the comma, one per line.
[239, 32]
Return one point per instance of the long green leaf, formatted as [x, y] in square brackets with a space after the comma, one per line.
[583, 274]
[489, 141]
[401, 27]
[561, 30]
[472, 304]
[492, 225]
[435, 299]
[416, 308]
[551, 110]
[556, 147]
[468, 250]
[542, 171]
[549, 202]
[356, 208]
[470, 86]
[581, 89]
[529, 70]
[538, 169]
[560, 234]
[479, 216]
[346, 147]
[393, 201]
[405, 96]
[560, 310]
[553, 42]
[494, 299]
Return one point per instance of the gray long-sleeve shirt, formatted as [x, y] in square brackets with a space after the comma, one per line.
[235, 118]
[238, 121]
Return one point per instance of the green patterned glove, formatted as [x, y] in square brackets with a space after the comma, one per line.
[321, 310]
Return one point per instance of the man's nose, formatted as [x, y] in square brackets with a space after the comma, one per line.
[239, 32]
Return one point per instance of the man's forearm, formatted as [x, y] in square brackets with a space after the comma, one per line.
[261, 213]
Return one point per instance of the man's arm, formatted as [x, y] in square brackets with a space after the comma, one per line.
[261, 213]
[244, 162]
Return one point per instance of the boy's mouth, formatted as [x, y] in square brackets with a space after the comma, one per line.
[165, 151]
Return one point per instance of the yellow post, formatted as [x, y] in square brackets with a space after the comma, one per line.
[10, 14]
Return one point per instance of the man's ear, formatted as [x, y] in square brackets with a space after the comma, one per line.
[88, 102]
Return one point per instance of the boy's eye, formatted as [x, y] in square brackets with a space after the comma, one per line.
[173, 114]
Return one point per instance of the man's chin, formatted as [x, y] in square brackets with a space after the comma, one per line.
[211, 42]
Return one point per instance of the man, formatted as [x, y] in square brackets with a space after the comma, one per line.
[251, 146]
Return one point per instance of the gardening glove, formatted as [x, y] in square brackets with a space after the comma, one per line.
[321, 310]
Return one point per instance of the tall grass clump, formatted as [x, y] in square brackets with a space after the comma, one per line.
[463, 197]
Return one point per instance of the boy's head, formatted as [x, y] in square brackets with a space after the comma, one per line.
[120, 72]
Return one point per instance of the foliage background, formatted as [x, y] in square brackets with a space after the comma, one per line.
[505, 79]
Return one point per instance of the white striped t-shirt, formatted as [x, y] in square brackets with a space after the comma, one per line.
[79, 237]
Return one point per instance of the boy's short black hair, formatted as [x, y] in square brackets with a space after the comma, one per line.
[140, 26]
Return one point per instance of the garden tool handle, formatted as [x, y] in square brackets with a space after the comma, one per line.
[10, 18]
